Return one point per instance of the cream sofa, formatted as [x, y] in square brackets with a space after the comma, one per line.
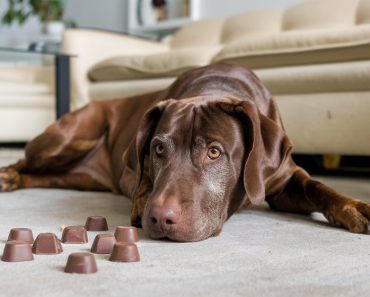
[314, 57]
[27, 103]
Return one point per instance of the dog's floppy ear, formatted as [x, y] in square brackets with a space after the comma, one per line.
[134, 157]
[267, 149]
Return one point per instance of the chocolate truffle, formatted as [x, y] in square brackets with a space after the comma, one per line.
[103, 244]
[17, 251]
[126, 234]
[74, 234]
[125, 252]
[96, 223]
[81, 263]
[47, 244]
[21, 234]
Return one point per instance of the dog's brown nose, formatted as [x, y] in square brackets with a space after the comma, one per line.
[164, 217]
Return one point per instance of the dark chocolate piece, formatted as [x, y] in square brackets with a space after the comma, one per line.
[17, 251]
[96, 223]
[103, 244]
[74, 234]
[126, 234]
[125, 252]
[21, 234]
[47, 244]
[81, 263]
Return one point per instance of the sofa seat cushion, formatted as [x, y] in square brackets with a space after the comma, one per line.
[39, 101]
[27, 86]
[299, 47]
[107, 90]
[166, 64]
[24, 88]
[27, 73]
[24, 123]
[319, 78]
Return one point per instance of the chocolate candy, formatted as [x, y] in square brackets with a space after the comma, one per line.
[17, 251]
[96, 223]
[21, 234]
[125, 252]
[103, 244]
[47, 244]
[81, 263]
[74, 234]
[126, 234]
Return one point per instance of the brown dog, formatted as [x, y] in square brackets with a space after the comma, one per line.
[189, 162]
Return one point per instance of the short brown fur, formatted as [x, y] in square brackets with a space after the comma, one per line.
[153, 148]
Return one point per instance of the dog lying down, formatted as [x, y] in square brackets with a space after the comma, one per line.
[188, 157]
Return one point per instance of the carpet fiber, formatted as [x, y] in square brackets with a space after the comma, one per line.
[259, 252]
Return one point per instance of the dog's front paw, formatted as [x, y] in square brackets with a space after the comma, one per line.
[10, 179]
[354, 215]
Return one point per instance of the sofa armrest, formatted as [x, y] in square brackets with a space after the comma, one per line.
[92, 46]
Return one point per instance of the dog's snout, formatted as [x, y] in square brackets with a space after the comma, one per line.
[163, 217]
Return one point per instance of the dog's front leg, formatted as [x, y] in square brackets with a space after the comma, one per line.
[305, 195]
[340, 210]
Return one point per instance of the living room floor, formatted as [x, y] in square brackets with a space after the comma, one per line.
[259, 252]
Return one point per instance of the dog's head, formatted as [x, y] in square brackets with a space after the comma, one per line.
[206, 158]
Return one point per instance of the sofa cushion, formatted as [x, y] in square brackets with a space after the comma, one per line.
[26, 86]
[27, 73]
[30, 88]
[250, 23]
[363, 12]
[31, 101]
[159, 65]
[107, 90]
[318, 14]
[200, 33]
[333, 123]
[299, 47]
[318, 78]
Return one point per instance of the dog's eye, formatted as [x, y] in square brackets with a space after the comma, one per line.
[159, 149]
[213, 153]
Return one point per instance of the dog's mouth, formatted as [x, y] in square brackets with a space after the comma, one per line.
[173, 236]
[179, 234]
[168, 233]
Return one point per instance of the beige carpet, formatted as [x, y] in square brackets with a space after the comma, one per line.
[259, 252]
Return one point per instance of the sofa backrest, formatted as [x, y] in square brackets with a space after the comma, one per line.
[319, 14]
[251, 23]
[307, 15]
[205, 32]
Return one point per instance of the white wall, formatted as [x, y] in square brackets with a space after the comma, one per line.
[15, 34]
[210, 8]
[104, 14]
[113, 15]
